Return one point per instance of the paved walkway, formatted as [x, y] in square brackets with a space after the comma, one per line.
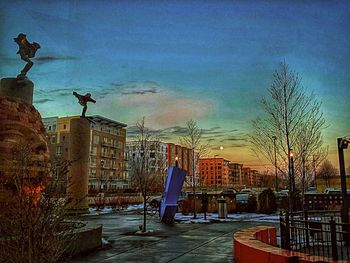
[177, 243]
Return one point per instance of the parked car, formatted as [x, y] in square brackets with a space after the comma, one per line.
[246, 191]
[280, 194]
[242, 198]
[229, 192]
[332, 191]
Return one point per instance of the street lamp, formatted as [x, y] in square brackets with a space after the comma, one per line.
[291, 179]
[343, 144]
[176, 161]
[194, 183]
[274, 138]
[101, 179]
[215, 172]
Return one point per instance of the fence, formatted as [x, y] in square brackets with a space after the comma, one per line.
[318, 233]
[319, 201]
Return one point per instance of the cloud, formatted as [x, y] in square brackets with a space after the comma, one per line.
[41, 59]
[161, 105]
[140, 92]
[213, 136]
[39, 101]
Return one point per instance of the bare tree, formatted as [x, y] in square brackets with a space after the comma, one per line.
[143, 166]
[32, 222]
[193, 140]
[326, 172]
[295, 118]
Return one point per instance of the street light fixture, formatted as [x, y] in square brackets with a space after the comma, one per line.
[101, 172]
[215, 171]
[216, 176]
[291, 179]
[343, 144]
[176, 161]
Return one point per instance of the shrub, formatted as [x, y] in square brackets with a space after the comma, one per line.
[267, 201]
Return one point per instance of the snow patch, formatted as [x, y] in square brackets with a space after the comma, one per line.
[213, 217]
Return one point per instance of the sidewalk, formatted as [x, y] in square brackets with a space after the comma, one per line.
[194, 243]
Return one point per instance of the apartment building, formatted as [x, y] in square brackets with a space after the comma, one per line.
[107, 170]
[214, 172]
[164, 154]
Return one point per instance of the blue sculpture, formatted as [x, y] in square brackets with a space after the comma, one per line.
[175, 180]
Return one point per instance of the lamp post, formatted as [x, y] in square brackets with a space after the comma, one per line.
[101, 172]
[216, 176]
[194, 183]
[176, 161]
[343, 144]
[291, 178]
[275, 150]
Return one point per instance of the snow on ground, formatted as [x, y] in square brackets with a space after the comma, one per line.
[213, 217]
[101, 211]
[108, 209]
[134, 207]
[188, 219]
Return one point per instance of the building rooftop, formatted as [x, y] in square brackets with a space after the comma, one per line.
[105, 121]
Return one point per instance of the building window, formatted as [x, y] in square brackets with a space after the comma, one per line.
[64, 126]
[96, 139]
[53, 139]
[59, 150]
[63, 138]
[94, 150]
[93, 172]
[104, 151]
[49, 127]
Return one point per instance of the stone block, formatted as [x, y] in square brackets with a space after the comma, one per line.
[13, 88]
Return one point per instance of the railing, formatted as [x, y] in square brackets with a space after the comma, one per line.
[318, 233]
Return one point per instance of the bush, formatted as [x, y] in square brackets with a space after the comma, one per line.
[249, 206]
[252, 204]
[267, 202]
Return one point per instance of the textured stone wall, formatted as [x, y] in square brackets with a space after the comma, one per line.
[20, 124]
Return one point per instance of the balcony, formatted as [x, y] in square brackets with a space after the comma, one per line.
[107, 144]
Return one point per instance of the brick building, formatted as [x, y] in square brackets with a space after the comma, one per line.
[235, 174]
[106, 169]
[214, 172]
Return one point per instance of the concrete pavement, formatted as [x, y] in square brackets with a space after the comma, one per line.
[177, 243]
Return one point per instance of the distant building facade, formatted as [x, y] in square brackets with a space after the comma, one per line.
[163, 155]
[214, 172]
[107, 171]
[235, 174]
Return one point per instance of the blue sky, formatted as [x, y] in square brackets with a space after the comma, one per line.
[174, 60]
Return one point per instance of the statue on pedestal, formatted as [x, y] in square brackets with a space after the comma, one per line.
[83, 100]
[26, 51]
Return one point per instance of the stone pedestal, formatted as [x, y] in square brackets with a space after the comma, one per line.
[17, 89]
[20, 124]
[79, 149]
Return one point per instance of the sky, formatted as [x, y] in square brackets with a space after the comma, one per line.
[172, 61]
